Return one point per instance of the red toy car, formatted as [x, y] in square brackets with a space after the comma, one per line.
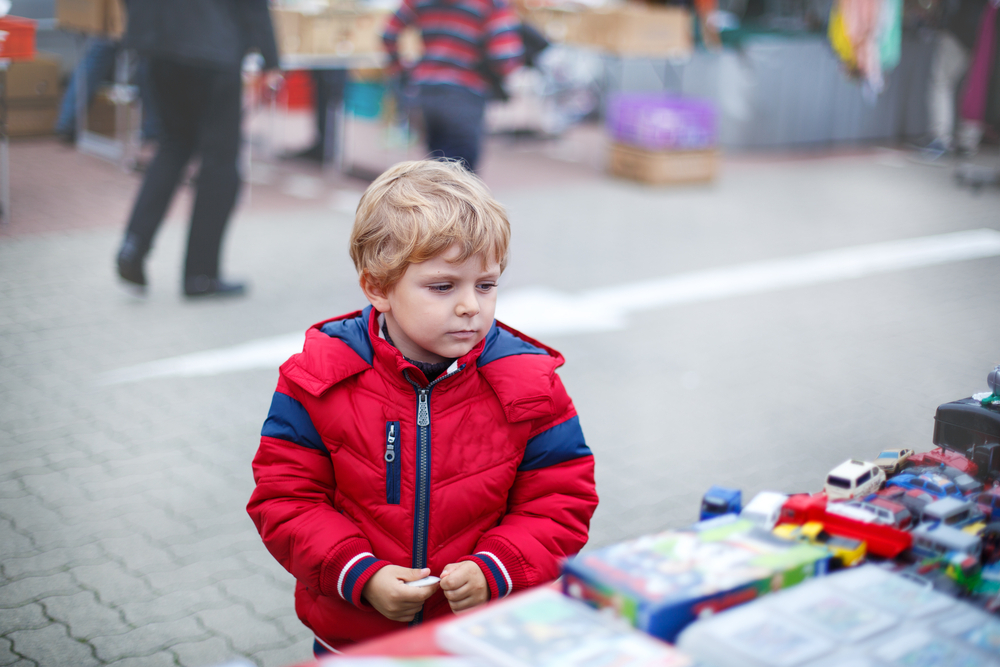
[989, 502]
[940, 456]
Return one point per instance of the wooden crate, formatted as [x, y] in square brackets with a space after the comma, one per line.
[662, 167]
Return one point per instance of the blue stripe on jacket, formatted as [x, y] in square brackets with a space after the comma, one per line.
[288, 420]
[561, 443]
[354, 574]
[495, 571]
[354, 332]
[501, 343]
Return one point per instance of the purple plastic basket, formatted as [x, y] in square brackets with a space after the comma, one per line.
[657, 121]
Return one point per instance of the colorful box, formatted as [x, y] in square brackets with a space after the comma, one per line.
[543, 628]
[660, 583]
[659, 121]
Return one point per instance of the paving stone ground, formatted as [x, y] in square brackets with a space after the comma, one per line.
[123, 534]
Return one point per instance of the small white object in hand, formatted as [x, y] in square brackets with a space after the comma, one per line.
[426, 581]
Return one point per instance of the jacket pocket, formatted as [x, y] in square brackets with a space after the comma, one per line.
[392, 451]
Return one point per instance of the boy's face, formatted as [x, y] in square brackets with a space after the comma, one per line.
[439, 310]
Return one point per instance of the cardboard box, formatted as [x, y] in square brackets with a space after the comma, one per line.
[331, 32]
[559, 25]
[92, 17]
[662, 167]
[661, 583]
[102, 115]
[638, 31]
[32, 95]
[31, 119]
[33, 79]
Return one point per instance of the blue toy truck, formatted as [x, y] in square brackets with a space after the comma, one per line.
[719, 500]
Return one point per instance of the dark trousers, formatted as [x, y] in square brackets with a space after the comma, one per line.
[329, 85]
[453, 122]
[200, 111]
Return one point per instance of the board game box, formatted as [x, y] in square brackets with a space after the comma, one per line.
[660, 583]
[543, 628]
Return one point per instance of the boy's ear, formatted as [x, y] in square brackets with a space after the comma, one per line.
[375, 294]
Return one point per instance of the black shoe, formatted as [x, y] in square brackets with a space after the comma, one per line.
[130, 264]
[197, 286]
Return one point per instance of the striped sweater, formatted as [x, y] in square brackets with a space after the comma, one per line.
[457, 34]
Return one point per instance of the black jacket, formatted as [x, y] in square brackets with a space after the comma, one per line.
[212, 33]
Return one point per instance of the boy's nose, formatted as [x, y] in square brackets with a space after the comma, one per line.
[468, 304]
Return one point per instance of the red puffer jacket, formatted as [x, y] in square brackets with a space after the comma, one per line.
[362, 463]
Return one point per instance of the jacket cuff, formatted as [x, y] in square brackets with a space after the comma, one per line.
[501, 567]
[347, 570]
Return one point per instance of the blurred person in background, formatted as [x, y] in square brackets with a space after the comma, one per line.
[451, 90]
[195, 50]
[97, 67]
[328, 86]
[949, 66]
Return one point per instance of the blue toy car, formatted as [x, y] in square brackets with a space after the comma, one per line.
[719, 500]
[938, 486]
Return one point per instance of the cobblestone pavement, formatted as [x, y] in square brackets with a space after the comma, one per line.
[123, 535]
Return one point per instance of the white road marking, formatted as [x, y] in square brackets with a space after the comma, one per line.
[541, 311]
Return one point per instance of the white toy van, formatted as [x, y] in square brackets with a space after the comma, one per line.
[853, 479]
[764, 509]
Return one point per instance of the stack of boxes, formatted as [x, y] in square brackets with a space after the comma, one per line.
[660, 138]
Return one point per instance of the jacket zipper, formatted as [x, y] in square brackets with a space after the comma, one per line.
[421, 510]
[392, 463]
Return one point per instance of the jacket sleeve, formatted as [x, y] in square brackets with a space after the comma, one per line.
[259, 31]
[292, 505]
[548, 508]
[504, 47]
[404, 16]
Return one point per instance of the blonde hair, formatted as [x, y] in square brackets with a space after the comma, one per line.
[417, 210]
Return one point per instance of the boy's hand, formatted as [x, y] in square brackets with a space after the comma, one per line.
[388, 593]
[464, 585]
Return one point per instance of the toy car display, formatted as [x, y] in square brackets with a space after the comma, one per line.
[893, 461]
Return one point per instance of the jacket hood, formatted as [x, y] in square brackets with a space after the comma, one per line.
[323, 362]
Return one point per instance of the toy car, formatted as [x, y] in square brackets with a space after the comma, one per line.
[764, 509]
[931, 540]
[913, 500]
[876, 510]
[938, 486]
[942, 456]
[845, 551]
[989, 502]
[951, 512]
[892, 461]
[882, 541]
[853, 479]
[719, 500]
[964, 482]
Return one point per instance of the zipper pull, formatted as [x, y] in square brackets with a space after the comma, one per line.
[390, 448]
[423, 412]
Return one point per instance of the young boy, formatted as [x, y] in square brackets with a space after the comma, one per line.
[419, 436]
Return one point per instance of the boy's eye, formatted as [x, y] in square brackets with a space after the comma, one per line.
[486, 287]
[440, 288]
